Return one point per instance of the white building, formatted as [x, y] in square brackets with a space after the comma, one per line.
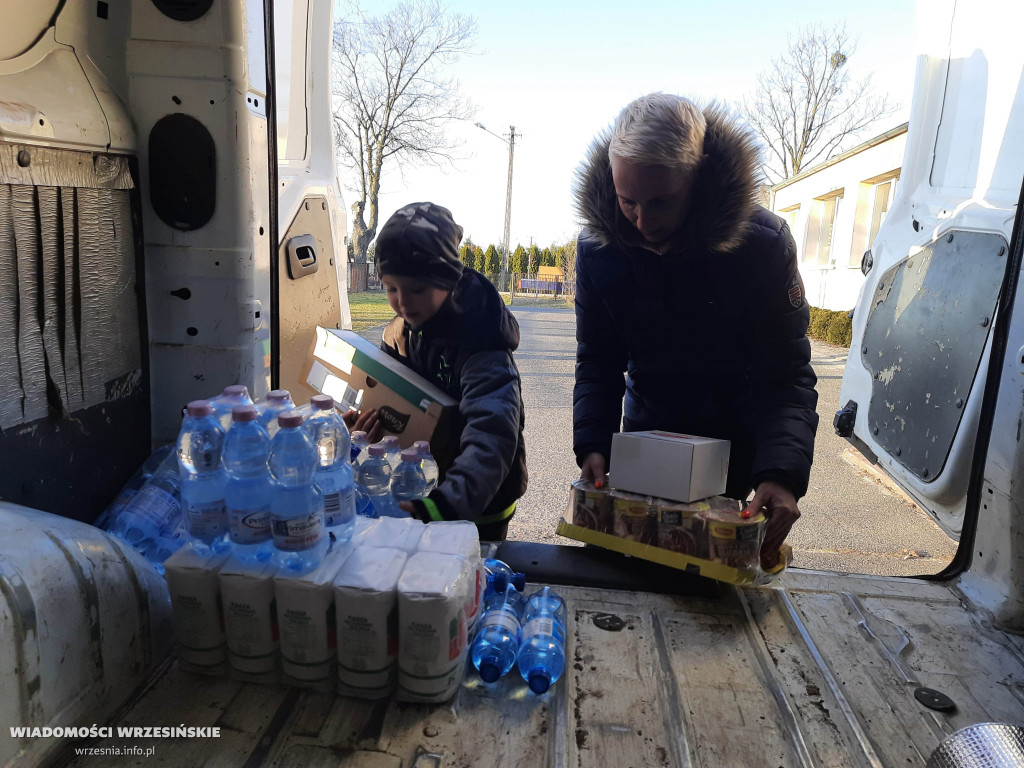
[834, 211]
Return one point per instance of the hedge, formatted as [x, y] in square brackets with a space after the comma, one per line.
[830, 326]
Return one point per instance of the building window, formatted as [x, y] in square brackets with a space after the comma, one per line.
[790, 215]
[881, 200]
[820, 229]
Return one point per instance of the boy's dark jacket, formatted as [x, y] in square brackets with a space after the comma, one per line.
[712, 333]
[466, 349]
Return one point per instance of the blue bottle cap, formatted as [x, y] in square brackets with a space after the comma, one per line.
[519, 581]
[500, 582]
[540, 680]
[490, 671]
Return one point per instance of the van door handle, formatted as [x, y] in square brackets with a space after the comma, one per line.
[302, 259]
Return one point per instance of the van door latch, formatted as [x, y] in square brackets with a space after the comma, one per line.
[302, 259]
[845, 419]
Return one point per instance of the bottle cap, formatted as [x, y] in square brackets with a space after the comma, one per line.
[279, 395]
[200, 408]
[519, 581]
[539, 679]
[500, 582]
[236, 390]
[321, 402]
[377, 449]
[489, 670]
[358, 435]
[244, 413]
[411, 455]
[422, 446]
[390, 441]
[289, 418]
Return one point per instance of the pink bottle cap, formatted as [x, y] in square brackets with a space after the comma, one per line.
[200, 408]
[244, 413]
[236, 390]
[279, 395]
[322, 402]
[290, 418]
[410, 454]
[390, 441]
[376, 449]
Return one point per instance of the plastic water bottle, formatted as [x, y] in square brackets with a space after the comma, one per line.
[364, 506]
[233, 395]
[542, 652]
[393, 451]
[408, 482]
[361, 442]
[427, 464]
[296, 504]
[107, 519]
[374, 476]
[248, 491]
[334, 475]
[493, 567]
[499, 632]
[154, 507]
[199, 448]
[278, 400]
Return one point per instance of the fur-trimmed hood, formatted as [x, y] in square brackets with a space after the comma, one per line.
[723, 198]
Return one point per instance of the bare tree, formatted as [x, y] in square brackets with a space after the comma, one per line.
[806, 104]
[391, 99]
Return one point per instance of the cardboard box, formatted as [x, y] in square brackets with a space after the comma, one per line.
[669, 465]
[360, 375]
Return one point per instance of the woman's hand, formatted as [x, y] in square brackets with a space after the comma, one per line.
[779, 505]
[593, 469]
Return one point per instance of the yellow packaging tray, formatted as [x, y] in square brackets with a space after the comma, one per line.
[695, 565]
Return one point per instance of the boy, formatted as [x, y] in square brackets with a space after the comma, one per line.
[453, 329]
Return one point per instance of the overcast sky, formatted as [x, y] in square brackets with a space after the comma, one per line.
[560, 70]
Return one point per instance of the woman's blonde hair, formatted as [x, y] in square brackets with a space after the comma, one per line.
[659, 129]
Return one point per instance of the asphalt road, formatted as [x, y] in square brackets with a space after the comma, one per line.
[853, 520]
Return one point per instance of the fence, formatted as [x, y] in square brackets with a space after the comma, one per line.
[363, 277]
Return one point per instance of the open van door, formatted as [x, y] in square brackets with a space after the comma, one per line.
[935, 314]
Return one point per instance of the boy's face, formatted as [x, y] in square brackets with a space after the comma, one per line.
[412, 299]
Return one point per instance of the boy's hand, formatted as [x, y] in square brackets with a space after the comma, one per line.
[365, 421]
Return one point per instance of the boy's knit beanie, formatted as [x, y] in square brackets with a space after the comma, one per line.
[421, 240]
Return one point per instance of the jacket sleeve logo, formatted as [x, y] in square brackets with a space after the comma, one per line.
[796, 295]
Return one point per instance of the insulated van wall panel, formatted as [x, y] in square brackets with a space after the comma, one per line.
[71, 382]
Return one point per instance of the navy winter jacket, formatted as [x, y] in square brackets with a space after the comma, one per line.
[466, 350]
[711, 335]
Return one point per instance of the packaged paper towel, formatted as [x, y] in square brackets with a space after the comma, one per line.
[366, 614]
[195, 602]
[459, 538]
[432, 626]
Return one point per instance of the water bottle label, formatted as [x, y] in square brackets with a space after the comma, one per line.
[339, 507]
[299, 533]
[249, 526]
[539, 627]
[154, 504]
[501, 619]
[206, 519]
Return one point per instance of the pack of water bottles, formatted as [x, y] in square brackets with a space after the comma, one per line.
[266, 480]
[370, 620]
[519, 631]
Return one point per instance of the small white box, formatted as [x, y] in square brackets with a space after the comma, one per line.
[669, 465]
[250, 620]
[195, 602]
[305, 614]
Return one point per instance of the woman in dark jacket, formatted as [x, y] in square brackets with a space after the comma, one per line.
[691, 289]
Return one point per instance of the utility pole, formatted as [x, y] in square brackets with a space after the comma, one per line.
[511, 141]
[508, 207]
